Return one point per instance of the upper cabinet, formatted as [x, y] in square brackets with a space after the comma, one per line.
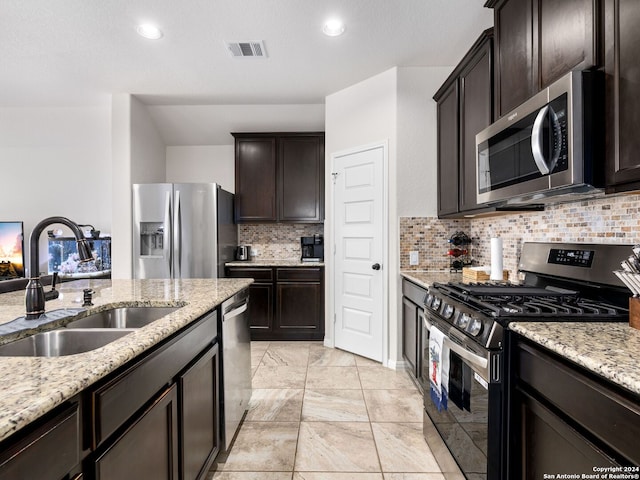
[279, 177]
[538, 41]
[622, 57]
[465, 107]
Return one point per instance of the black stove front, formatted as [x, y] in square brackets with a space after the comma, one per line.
[567, 282]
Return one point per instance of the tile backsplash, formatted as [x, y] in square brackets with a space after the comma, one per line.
[278, 241]
[611, 219]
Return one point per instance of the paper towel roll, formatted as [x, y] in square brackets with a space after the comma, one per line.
[496, 259]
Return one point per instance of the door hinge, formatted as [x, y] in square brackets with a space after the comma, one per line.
[335, 318]
[335, 177]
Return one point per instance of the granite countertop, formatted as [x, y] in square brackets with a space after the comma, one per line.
[32, 386]
[426, 278]
[285, 262]
[612, 353]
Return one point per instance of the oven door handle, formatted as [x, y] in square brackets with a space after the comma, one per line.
[465, 354]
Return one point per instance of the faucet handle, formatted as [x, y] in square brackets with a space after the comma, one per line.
[87, 293]
[53, 293]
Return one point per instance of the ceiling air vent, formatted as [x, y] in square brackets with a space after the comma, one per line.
[246, 49]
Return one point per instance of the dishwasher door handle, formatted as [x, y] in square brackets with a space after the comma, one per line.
[236, 310]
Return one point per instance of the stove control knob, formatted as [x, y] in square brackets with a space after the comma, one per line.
[475, 327]
[428, 299]
[448, 310]
[435, 305]
[463, 321]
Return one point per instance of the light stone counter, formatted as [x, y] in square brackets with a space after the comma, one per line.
[274, 263]
[427, 278]
[611, 350]
[32, 386]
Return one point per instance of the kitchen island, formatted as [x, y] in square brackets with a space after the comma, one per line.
[33, 386]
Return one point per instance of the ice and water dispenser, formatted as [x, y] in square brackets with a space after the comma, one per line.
[151, 239]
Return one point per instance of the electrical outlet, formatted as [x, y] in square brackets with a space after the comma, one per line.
[413, 258]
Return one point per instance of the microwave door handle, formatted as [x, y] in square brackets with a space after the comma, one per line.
[537, 142]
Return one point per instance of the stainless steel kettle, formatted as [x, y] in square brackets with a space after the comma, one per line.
[243, 252]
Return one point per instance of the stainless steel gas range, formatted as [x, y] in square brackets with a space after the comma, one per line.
[466, 324]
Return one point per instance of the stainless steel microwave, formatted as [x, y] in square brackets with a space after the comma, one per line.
[550, 146]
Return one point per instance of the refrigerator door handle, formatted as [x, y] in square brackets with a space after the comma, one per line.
[167, 232]
[177, 237]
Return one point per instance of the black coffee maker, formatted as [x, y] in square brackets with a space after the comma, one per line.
[312, 248]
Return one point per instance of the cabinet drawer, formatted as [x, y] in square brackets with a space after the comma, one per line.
[264, 274]
[299, 274]
[605, 413]
[115, 402]
[50, 452]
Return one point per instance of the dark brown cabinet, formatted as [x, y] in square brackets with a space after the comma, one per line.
[622, 57]
[48, 451]
[284, 303]
[148, 448]
[563, 418]
[279, 177]
[412, 314]
[465, 107]
[539, 41]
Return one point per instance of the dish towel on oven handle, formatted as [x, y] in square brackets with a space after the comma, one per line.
[438, 368]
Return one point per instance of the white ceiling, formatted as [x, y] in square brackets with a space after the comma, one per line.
[79, 52]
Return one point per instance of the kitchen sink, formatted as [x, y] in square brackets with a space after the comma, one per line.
[58, 343]
[122, 317]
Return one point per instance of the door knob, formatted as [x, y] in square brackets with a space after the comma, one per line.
[376, 266]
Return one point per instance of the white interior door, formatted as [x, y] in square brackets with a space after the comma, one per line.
[359, 272]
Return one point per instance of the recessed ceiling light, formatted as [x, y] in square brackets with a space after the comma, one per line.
[149, 31]
[333, 28]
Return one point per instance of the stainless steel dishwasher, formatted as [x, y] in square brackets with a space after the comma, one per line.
[236, 364]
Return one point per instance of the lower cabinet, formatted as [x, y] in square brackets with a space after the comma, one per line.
[199, 415]
[48, 451]
[564, 419]
[412, 312]
[285, 303]
[148, 448]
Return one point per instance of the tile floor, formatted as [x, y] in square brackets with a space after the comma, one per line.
[324, 414]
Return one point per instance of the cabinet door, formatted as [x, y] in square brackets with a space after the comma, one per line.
[148, 448]
[514, 53]
[567, 36]
[301, 179]
[255, 196]
[299, 307]
[261, 307]
[448, 151]
[410, 334]
[622, 57]
[476, 113]
[199, 415]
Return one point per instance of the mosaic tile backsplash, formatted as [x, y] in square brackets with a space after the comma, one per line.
[278, 241]
[605, 220]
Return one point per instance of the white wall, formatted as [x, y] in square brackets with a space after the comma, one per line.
[55, 162]
[206, 163]
[362, 114]
[138, 157]
[417, 140]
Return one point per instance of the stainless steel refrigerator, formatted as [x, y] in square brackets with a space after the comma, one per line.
[182, 230]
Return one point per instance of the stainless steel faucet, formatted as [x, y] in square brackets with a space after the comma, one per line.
[35, 297]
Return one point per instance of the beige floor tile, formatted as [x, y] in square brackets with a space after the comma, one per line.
[379, 377]
[279, 377]
[402, 448]
[263, 447]
[256, 358]
[290, 345]
[334, 406]
[275, 405]
[414, 476]
[250, 476]
[276, 356]
[336, 476]
[366, 362]
[402, 405]
[336, 447]
[333, 378]
[259, 346]
[330, 357]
